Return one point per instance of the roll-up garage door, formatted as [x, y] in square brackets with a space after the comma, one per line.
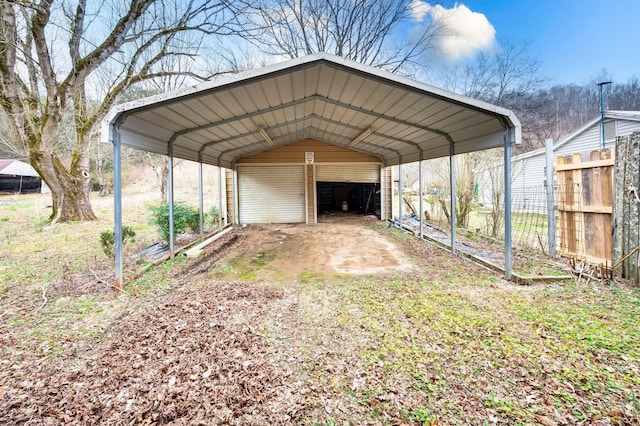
[357, 173]
[271, 194]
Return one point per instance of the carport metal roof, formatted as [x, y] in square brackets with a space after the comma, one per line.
[321, 96]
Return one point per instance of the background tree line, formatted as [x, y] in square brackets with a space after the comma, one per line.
[65, 63]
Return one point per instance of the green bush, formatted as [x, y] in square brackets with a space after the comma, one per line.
[108, 239]
[213, 217]
[184, 218]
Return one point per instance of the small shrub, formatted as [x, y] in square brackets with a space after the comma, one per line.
[184, 218]
[108, 239]
[213, 217]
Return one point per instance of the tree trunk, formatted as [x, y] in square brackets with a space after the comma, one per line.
[70, 190]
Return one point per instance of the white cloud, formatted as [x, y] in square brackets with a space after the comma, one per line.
[464, 32]
[419, 9]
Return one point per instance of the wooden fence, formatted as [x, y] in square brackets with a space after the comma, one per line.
[626, 247]
[585, 205]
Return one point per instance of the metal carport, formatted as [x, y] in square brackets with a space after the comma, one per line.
[320, 96]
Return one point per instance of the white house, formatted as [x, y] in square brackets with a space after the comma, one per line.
[528, 170]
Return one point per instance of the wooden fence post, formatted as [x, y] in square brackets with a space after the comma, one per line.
[626, 226]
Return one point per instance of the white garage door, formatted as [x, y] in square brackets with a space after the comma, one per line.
[271, 194]
[356, 173]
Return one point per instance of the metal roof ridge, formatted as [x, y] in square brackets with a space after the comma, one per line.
[305, 60]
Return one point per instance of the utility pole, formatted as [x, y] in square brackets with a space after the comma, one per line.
[602, 84]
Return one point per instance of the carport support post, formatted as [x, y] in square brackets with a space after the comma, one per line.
[400, 195]
[117, 205]
[171, 219]
[551, 213]
[220, 199]
[508, 260]
[234, 195]
[421, 202]
[200, 196]
[452, 184]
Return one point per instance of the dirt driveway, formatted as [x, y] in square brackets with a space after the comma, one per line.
[291, 252]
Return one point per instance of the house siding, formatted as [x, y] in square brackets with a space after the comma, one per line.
[626, 127]
[529, 169]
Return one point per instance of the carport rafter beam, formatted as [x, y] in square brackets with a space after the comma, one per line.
[247, 115]
[244, 135]
[322, 99]
[415, 145]
[221, 141]
[234, 159]
[385, 117]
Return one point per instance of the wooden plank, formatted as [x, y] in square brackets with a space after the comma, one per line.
[311, 192]
[565, 200]
[585, 165]
[585, 204]
[607, 231]
[578, 216]
[589, 242]
[587, 209]
[562, 196]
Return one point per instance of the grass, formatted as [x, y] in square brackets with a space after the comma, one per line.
[449, 343]
[492, 348]
[49, 298]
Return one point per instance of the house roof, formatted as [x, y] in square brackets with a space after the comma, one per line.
[322, 97]
[16, 168]
[617, 115]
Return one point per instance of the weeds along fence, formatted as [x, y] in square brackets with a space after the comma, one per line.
[529, 222]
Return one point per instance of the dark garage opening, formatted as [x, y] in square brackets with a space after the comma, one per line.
[360, 198]
[20, 184]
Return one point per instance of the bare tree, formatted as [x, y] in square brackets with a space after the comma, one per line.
[359, 30]
[508, 77]
[466, 176]
[64, 60]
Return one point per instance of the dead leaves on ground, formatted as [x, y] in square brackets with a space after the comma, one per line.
[197, 354]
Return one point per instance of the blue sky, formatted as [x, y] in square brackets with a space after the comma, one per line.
[575, 40]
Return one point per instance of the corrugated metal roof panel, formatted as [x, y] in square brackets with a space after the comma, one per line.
[340, 98]
[17, 168]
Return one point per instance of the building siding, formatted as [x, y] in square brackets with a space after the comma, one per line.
[626, 127]
[295, 153]
[311, 195]
[228, 175]
[529, 169]
[387, 193]
[323, 153]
